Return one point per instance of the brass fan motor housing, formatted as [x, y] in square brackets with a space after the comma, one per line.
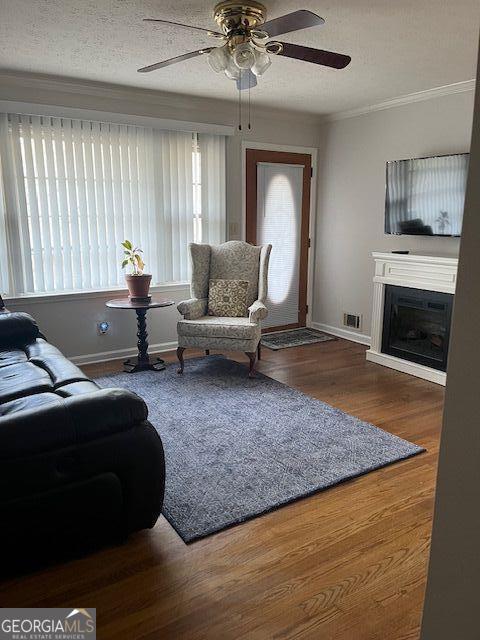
[231, 15]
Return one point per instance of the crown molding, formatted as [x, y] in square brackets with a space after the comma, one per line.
[103, 90]
[203, 105]
[419, 96]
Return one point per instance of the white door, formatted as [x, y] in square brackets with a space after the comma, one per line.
[279, 223]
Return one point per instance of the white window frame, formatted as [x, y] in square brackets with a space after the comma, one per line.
[33, 109]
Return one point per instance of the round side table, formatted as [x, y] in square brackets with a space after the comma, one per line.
[142, 361]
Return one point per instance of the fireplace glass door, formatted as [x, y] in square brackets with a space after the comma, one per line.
[416, 325]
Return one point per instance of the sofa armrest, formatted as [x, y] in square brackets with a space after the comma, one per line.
[193, 308]
[74, 420]
[17, 330]
[258, 311]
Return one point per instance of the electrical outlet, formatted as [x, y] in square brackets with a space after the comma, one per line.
[103, 327]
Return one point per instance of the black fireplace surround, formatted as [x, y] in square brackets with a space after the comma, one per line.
[416, 325]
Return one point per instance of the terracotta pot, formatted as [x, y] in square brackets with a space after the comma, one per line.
[138, 286]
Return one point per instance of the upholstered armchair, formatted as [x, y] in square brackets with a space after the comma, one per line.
[232, 260]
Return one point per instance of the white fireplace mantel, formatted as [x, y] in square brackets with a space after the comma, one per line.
[431, 273]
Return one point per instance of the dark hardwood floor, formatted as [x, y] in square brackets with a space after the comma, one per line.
[346, 564]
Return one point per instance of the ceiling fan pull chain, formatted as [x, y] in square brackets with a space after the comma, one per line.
[249, 109]
[240, 103]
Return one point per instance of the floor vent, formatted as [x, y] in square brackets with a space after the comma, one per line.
[352, 321]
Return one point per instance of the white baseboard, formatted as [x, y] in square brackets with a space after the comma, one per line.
[354, 336]
[104, 356]
[414, 369]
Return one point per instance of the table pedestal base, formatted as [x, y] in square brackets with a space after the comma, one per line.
[133, 365]
[142, 362]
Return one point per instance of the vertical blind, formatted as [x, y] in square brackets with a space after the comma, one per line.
[72, 190]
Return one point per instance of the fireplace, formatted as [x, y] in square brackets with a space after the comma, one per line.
[412, 334]
[416, 325]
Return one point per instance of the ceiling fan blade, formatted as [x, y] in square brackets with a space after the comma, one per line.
[317, 56]
[167, 63]
[247, 80]
[294, 21]
[180, 24]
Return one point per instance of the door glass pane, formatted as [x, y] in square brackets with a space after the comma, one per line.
[279, 213]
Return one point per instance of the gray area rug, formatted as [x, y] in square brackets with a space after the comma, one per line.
[293, 338]
[236, 448]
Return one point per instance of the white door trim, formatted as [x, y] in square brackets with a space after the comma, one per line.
[313, 152]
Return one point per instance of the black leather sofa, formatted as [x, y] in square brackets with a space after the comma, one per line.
[79, 466]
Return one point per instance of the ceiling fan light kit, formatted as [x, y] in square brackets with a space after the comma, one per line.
[262, 62]
[246, 45]
[243, 57]
[218, 58]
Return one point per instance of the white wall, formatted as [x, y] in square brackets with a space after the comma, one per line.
[351, 195]
[351, 191]
[72, 324]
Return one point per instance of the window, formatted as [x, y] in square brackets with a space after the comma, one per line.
[73, 190]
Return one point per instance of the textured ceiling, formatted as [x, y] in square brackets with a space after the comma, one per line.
[397, 47]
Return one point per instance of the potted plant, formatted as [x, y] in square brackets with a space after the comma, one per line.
[138, 283]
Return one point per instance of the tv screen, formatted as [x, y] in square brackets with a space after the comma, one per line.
[425, 196]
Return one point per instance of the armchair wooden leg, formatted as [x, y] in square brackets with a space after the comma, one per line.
[180, 351]
[259, 351]
[207, 352]
[252, 356]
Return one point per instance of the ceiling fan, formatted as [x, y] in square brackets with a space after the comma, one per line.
[245, 43]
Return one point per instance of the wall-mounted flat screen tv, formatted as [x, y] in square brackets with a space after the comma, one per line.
[425, 196]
